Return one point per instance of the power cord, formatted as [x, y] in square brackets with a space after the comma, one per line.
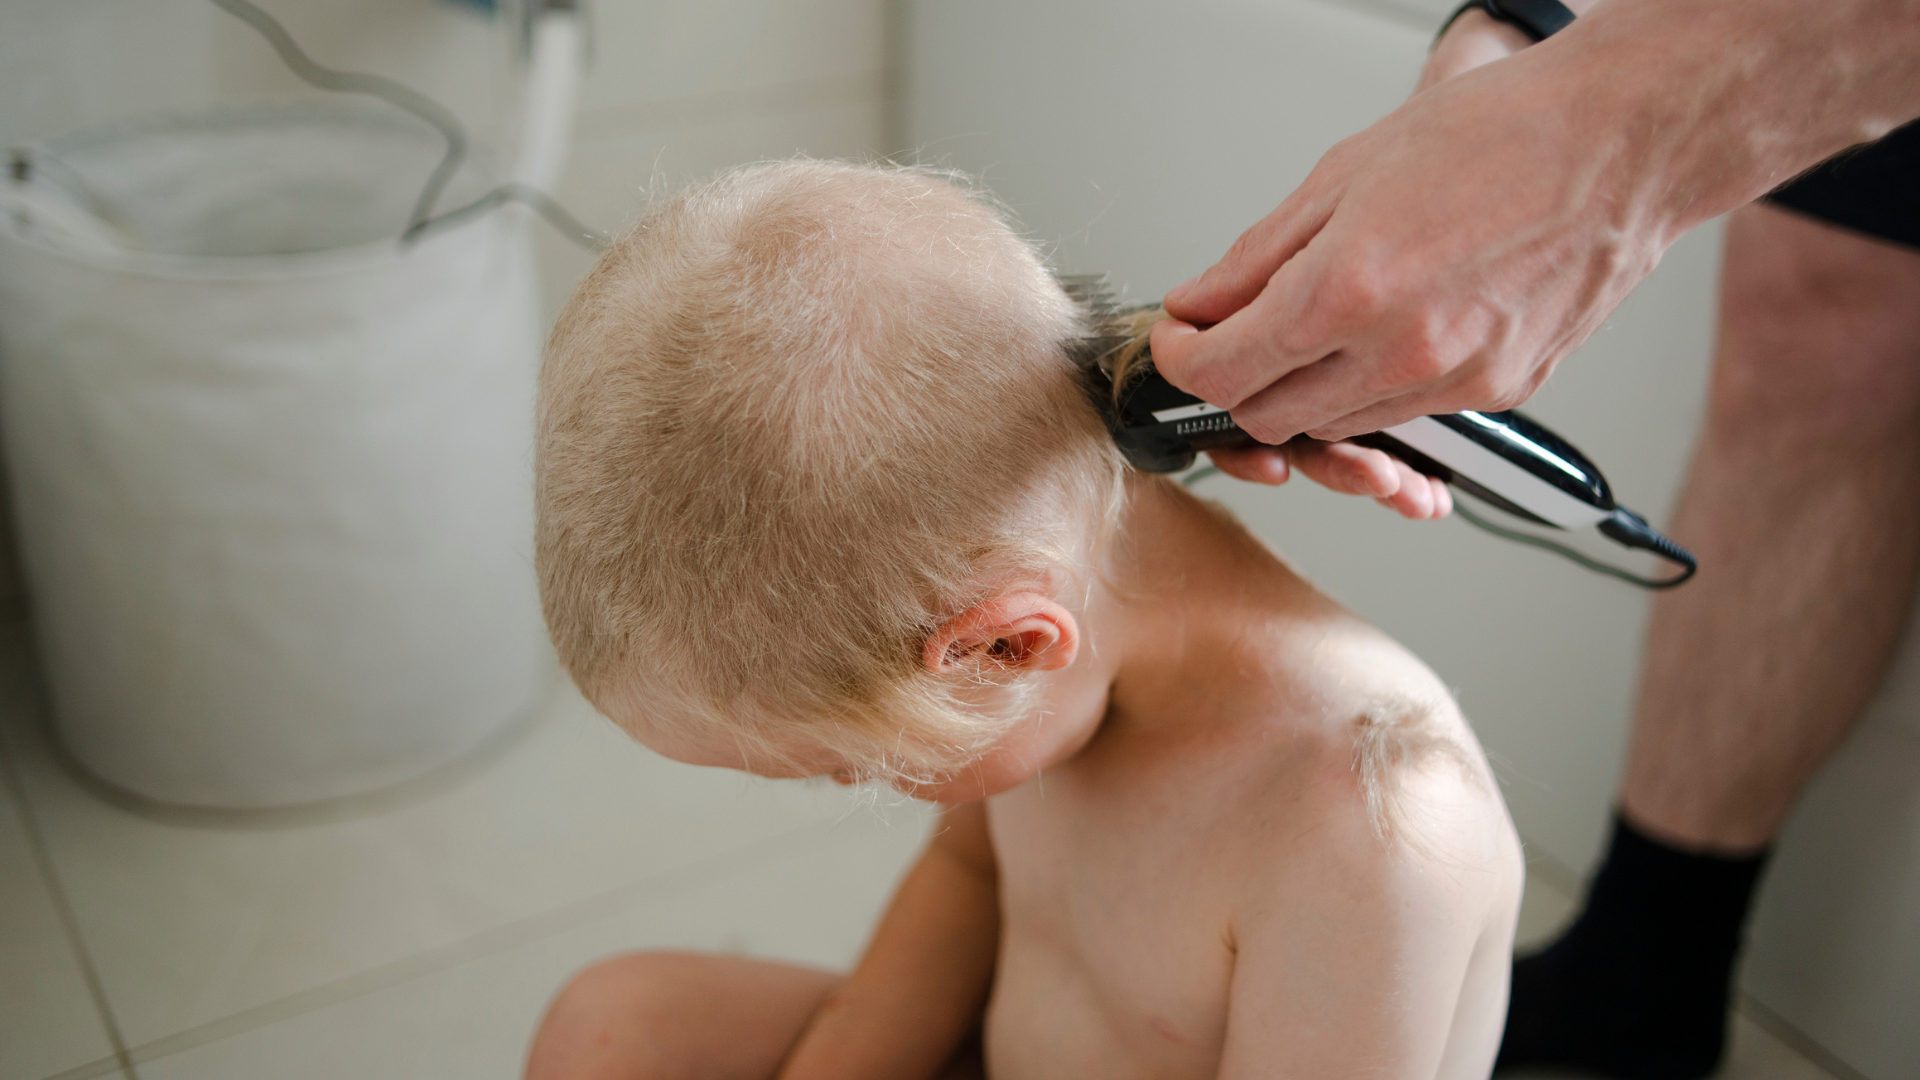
[421, 222]
[1624, 527]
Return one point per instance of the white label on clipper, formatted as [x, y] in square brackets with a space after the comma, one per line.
[1187, 412]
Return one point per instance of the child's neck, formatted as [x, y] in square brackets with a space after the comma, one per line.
[1193, 596]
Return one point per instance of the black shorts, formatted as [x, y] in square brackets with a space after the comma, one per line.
[1872, 189]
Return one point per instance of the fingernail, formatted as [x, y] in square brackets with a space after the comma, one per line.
[1179, 292]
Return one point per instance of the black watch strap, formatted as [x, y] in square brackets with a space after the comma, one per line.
[1538, 19]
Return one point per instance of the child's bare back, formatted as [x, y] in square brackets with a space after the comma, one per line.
[1200, 821]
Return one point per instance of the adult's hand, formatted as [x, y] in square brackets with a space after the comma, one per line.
[1475, 38]
[1448, 257]
[1445, 258]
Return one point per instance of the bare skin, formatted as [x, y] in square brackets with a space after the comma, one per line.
[1171, 872]
[1803, 500]
[1373, 294]
[1803, 503]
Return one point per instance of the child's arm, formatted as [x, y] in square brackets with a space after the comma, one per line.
[921, 987]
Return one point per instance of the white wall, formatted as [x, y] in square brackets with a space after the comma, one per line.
[1140, 138]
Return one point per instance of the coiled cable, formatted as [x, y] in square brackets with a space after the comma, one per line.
[422, 221]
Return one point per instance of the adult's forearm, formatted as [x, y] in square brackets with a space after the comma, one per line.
[1720, 101]
[1450, 255]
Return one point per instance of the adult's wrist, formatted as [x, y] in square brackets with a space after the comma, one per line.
[1476, 25]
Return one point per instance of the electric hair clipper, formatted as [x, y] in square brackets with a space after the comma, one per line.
[1503, 459]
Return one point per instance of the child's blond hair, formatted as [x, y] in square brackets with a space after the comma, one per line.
[792, 422]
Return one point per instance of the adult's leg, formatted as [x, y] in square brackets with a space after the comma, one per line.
[1804, 506]
[666, 1016]
[1803, 503]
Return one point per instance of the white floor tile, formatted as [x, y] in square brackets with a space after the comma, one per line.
[473, 1021]
[1754, 1054]
[192, 925]
[48, 1022]
[813, 907]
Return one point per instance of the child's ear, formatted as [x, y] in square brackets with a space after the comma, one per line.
[1021, 631]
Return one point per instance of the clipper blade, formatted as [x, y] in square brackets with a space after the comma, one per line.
[1157, 426]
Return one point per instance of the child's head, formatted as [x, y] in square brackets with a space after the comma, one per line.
[809, 432]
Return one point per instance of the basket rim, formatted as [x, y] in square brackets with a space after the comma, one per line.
[324, 262]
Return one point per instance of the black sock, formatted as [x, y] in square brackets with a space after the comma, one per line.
[1637, 987]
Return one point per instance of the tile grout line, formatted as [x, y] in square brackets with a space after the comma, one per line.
[1796, 1040]
[43, 859]
[473, 947]
[1538, 860]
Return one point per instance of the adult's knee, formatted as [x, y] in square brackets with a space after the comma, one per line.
[615, 1020]
[1819, 332]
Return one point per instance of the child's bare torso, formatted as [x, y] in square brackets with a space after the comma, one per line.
[1147, 882]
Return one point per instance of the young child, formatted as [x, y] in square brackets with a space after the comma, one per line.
[821, 494]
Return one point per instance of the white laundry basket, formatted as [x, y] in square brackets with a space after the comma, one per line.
[271, 471]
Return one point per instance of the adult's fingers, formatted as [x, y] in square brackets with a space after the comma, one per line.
[1254, 464]
[1243, 272]
[1359, 470]
[1419, 497]
[1314, 398]
[1346, 468]
[1235, 359]
[1467, 387]
[1382, 415]
[1343, 467]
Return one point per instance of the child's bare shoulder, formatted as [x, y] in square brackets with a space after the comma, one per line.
[1368, 770]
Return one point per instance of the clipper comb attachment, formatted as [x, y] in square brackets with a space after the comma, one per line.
[1107, 331]
[1158, 427]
